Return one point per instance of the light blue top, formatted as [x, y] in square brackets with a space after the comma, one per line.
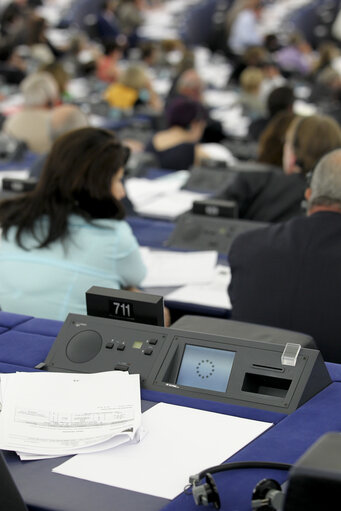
[51, 282]
[245, 32]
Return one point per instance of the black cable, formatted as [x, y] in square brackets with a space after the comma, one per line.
[245, 464]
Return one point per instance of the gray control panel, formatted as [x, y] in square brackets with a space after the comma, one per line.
[265, 375]
[202, 232]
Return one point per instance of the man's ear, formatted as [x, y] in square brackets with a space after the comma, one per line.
[307, 194]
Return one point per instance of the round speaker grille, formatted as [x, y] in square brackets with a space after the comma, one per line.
[84, 346]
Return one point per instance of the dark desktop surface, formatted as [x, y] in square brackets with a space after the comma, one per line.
[25, 341]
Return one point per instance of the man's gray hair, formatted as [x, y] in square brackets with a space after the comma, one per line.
[39, 89]
[326, 181]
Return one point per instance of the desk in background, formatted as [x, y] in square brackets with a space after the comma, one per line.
[25, 341]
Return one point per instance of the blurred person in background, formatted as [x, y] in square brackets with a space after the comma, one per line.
[280, 99]
[133, 88]
[107, 69]
[177, 147]
[272, 140]
[250, 96]
[243, 25]
[31, 123]
[276, 195]
[62, 120]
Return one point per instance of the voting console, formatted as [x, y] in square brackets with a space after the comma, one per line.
[208, 232]
[271, 375]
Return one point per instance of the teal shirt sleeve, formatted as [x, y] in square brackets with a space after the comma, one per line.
[129, 264]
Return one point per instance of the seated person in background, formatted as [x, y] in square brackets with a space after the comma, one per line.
[296, 57]
[107, 65]
[328, 52]
[190, 85]
[243, 25]
[42, 50]
[68, 233]
[289, 275]
[177, 147]
[59, 73]
[133, 88]
[275, 196]
[254, 56]
[250, 96]
[12, 66]
[30, 124]
[107, 24]
[271, 142]
[63, 119]
[280, 99]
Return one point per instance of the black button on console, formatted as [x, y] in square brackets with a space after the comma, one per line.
[148, 351]
[121, 347]
[121, 367]
[152, 341]
[110, 345]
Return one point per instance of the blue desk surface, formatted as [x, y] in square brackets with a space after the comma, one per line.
[25, 341]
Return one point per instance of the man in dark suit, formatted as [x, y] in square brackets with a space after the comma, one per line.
[288, 275]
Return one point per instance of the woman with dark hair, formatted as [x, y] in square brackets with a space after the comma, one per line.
[276, 195]
[178, 147]
[68, 234]
[272, 139]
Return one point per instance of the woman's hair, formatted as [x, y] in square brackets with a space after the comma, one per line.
[135, 77]
[36, 27]
[251, 79]
[182, 111]
[59, 73]
[76, 179]
[313, 137]
[272, 139]
[327, 51]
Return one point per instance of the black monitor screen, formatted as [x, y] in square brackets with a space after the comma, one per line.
[205, 368]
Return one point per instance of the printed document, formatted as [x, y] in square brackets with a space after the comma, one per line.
[169, 206]
[63, 413]
[211, 294]
[141, 190]
[172, 450]
[171, 268]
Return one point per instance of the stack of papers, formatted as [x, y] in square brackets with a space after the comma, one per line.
[211, 294]
[162, 197]
[171, 268]
[57, 414]
[142, 190]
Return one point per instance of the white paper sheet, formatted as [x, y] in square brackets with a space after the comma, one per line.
[171, 268]
[219, 152]
[216, 98]
[212, 294]
[60, 413]
[140, 190]
[170, 205]
[172, 451]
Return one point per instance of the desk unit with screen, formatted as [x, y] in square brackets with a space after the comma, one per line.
[220, 368]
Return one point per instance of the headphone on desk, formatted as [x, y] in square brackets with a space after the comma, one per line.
[266, 496]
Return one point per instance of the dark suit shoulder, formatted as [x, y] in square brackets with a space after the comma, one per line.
[294, 236]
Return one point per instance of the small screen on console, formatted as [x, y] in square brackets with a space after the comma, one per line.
[205, 368]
